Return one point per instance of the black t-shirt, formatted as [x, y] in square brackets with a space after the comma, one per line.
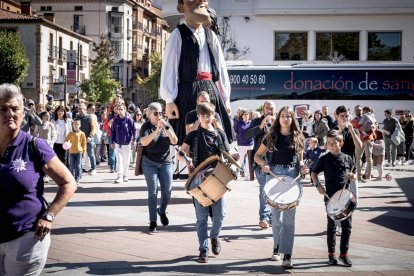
[159, 148]
[335, 169]
[209, 143]
[191, 117]
[348, 147]
[284, 154]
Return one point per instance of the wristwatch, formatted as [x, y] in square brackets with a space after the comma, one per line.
[49, 217]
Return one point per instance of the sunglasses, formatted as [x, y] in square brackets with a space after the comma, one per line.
[157, 113]
[30, 104]
[139, 114]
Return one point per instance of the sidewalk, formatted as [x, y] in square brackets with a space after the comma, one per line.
[103, 231]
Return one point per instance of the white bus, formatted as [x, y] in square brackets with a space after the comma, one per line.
[311, 86]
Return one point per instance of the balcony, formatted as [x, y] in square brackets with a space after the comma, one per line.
[53, 52]
[116, 32]
[80, 29]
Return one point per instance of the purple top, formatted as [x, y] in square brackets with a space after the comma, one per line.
[240, 127]
[20, 201]
[123, 130]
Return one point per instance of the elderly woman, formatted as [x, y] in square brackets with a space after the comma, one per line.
[157, 136]
[25, 221]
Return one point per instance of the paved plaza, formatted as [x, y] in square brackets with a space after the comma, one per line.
[103, 231]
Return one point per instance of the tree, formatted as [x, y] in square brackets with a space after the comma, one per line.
[13, 60]
[152, 82]
[100, 87]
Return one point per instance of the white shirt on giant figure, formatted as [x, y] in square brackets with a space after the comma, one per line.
[171, 61]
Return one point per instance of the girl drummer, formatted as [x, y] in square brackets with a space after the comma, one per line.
[338, 167]
[285, 141]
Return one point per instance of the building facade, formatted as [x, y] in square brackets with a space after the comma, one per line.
[47, 46]
[133, 26]
[316, 31]
[10, 5]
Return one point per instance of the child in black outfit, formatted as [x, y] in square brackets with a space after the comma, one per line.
[210, 142]
[338, 167]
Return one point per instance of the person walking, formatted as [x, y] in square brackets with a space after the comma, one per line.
[157, 136]
[122, 135]
[26, 222]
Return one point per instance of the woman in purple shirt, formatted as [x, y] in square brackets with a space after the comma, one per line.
[25, 221]
[243, 144]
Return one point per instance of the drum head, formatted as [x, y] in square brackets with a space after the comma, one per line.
[282, 192]
[198, 172]
[339, 201]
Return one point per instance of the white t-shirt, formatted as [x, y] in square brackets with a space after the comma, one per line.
[61, 131]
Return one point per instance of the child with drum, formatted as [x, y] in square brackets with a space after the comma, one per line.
[285, 141]
[338, 168]
[204, 142]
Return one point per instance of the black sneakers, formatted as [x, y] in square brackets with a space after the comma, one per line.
[287, 261]
[153, 226]
[215, 246]
[203, 257]
[163, 218]
[345, 259]
[332, 259]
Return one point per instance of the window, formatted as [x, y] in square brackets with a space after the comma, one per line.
[384, 46]
[45, 8]
[78, 8]
[60, 48]
[291, 46]
[78, 25]
[330, 45]
[117, 45]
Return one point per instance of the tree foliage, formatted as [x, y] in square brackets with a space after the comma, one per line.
[13, 60]
[152, 82]
[100, 87]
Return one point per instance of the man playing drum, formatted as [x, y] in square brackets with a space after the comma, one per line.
[204, 142]
[285, 141]
[338, 167]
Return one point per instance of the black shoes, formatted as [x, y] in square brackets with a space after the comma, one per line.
[332, 259]
[203, 257]
[345, 259]
[163, 218]
[153, 226]
[215, 246]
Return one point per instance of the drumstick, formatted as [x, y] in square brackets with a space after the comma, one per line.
[182, 154]
[275, 176]
[343, 188]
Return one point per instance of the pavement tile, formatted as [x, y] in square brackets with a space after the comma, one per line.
[103, 231]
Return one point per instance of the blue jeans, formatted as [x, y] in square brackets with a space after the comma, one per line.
[111, 156]
[283, 222]
[264, 209]
[90, 149]
[75, 165]
[219, 212]
[153, 172]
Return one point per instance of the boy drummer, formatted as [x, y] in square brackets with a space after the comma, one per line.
[338, 167]
[204, 142]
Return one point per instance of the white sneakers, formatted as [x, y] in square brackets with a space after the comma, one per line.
[287, 264]
[93, 172]
[119, 180]
[276, 257]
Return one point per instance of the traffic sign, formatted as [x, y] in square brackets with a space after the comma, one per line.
[71, 56]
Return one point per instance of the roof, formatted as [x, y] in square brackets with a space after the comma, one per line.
[13, 17]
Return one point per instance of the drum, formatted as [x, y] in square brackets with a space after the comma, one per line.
[283, 193]
[341, 205]
[210, 181]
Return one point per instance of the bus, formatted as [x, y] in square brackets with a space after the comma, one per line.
[311, 86]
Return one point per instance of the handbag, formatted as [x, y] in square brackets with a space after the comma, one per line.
[138, 160]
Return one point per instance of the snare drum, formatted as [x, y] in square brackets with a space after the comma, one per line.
[341, 205]
[282, 193]
[209, 182]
